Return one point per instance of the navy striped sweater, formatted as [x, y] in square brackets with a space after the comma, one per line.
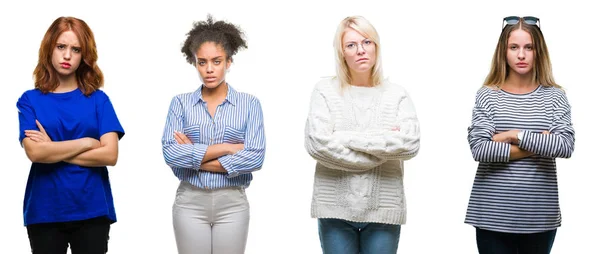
[518, 196]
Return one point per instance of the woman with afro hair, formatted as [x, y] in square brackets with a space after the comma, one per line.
[213, 140]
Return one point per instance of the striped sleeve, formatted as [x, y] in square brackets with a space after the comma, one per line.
[180, 155]
[400, 143]
[328, 147]
[252, 156]
[561, 141]
[482, 130]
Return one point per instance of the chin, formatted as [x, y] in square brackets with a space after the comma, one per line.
[212, 85]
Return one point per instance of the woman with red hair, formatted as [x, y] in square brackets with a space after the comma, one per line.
[70, 132]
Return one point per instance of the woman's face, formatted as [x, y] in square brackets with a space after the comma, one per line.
[212, 63]
[359, 52]
[520, 54]
[66, 55]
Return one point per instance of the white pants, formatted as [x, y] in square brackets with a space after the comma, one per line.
[210, 221]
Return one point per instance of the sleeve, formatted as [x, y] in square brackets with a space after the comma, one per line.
[328, 147]
[107, 117]
[26, 116]
[180, 155]
[252, 156]
[560, 142]
[481, 132]
[400, 143]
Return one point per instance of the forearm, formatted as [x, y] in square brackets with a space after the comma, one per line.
[213, 166]
[548, 145]
[517, 153]
[389, 145]
[55, 151]
[215, 151]
[99, 157]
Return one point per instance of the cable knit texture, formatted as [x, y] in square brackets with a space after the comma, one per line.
[360, 137]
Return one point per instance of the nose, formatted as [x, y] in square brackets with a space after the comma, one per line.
[67, 54]
[210, 68]
[521, 54]
[360, 49]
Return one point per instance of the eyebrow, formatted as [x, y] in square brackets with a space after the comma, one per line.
[214, 58]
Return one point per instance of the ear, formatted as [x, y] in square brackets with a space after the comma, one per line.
[228, 64]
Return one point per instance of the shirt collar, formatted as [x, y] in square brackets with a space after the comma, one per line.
[232, 95]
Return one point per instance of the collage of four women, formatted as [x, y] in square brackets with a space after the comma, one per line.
[360, 129]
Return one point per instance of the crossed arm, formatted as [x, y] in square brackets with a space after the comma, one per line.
[210, 160]
[87, 152]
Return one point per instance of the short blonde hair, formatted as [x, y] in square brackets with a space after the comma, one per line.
[364, 28]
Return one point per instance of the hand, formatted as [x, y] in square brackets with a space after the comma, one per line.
[91, 143]
[182, 138]
[234, 148]
[38, 136]
[507, 137]
[545, 132]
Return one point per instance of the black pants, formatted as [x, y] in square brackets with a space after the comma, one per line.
[491, 242]
[85, 236]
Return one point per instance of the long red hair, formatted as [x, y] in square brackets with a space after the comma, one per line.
[89, 76]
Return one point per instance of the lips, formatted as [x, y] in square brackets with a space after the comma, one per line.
[210, 79]
[362, 59]
[65, 65]
[522, 65]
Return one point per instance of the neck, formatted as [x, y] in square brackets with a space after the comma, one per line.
[360, 78]
[66, 83]
[520, 81]
[217, 93]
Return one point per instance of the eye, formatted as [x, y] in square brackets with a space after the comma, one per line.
[528, 47]
[201, 63]
[60, 46]
[513, 47]
[367, 42]
[77, 50]
[217, 62]
[350, 45]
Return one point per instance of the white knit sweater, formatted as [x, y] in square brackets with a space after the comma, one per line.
[360, 145]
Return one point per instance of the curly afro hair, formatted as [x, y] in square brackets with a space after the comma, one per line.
[224, 34]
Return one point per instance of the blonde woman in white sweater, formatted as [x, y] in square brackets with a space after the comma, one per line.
[360, 129]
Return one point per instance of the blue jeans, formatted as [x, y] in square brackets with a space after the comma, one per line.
[347, 237]
[491, 242]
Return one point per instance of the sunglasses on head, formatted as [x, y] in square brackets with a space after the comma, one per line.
[513, 20]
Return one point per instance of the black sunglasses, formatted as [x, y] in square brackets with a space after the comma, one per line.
[513, 20]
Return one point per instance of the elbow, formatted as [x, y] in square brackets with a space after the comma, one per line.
[112, 160]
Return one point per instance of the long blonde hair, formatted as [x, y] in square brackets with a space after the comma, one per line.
[542, 68]
[364, 28]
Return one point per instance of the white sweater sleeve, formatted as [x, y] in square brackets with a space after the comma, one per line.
[401, 142]
[327, 147]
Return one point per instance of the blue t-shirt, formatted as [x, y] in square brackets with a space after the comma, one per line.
[60, 192]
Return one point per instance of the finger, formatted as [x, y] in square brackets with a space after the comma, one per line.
[178, 139]
[186, 139]
[545, 132]
[39, 125]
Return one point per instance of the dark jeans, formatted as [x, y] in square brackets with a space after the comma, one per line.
[85, 236]
[491, 242]
[347, 237]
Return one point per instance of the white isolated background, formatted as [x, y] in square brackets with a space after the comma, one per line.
[440, 51]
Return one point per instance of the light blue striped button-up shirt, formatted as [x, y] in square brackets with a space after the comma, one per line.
[237, 120]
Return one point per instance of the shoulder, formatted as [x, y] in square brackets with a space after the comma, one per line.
[31, 93]
[485, 92]
[390, 87]
[327, 86]
[247, 98]
[558, 95]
